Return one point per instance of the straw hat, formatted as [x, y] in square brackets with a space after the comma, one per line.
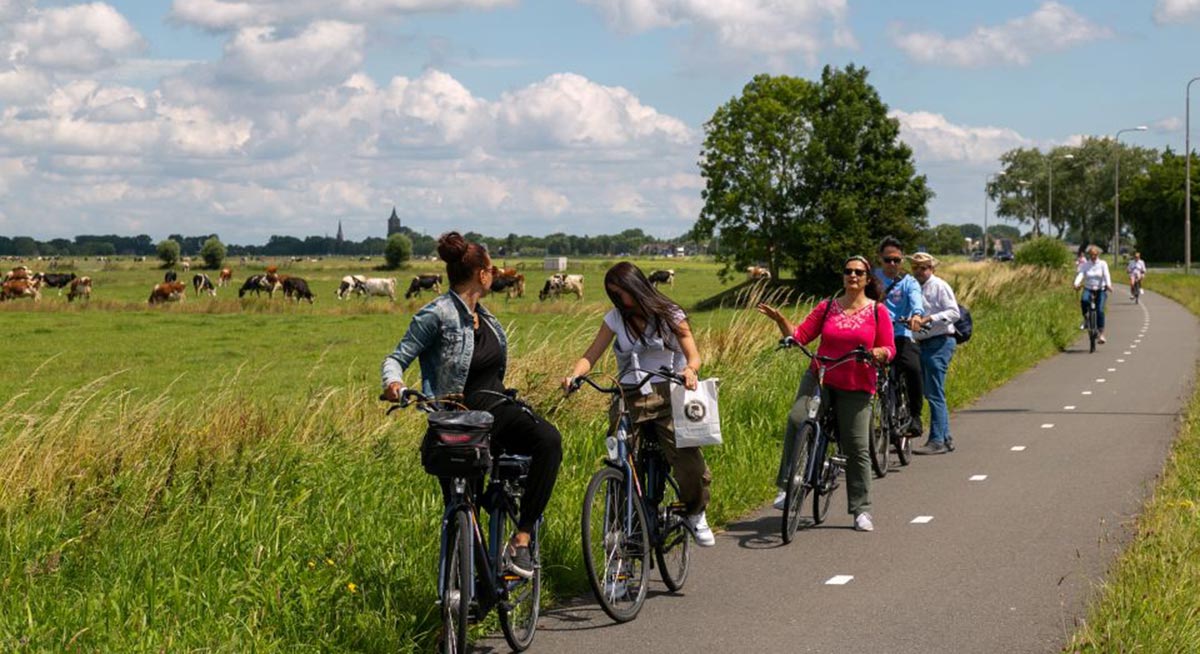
[924, 259]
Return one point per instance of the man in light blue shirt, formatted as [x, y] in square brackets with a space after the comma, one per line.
[902, 297]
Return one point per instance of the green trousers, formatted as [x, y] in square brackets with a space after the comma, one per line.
[853, 412]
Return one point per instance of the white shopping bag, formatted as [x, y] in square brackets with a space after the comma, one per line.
[697, 421]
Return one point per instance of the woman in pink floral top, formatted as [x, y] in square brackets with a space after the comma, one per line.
[854, 318]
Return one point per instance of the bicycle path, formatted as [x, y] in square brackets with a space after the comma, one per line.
[994, 547]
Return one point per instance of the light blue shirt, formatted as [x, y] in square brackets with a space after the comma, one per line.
[903, 301]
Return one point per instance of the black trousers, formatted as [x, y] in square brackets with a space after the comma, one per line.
[517, 432]
[908, 361]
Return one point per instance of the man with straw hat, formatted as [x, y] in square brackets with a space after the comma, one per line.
[937, 343]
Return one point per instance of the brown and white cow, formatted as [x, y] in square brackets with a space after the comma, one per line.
[558, 283]
[81, 287]
[18, 288]
[168, 292]
[226, 277]
[755, 273]
[423, 283]
[508, 281]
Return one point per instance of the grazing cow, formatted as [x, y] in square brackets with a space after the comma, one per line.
[756, 273]
[295, 287]
[663, 277]
[424, 283]
[187, 265]
[170, 276]
[508, 281]
[376, 286]
[20, 272]
[201, 282]
[58, 280]
[226, 277]
[256, 283]
[349, 285]
[81, 287]
[19, 288]
[558, 283]
[168, 292]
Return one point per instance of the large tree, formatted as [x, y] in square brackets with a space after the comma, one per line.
[1152, 208]
[799, 174]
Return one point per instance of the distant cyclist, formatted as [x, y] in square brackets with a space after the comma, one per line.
[1137, 270]
[902, 297]
[851, 320]
[1093, 277]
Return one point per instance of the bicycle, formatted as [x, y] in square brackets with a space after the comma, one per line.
[890, 417]
[632, 508]
[1091, 320]
[1135, 290]
[471, 579]
[817, 460]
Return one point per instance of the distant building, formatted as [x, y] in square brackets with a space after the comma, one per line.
[341, 239]
[393, 223]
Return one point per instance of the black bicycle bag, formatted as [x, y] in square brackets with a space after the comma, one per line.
[457, 443]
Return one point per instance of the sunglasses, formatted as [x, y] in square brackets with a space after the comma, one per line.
[892, 259]
[858, 272]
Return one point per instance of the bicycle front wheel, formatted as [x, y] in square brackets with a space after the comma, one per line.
[879, 442]
[673, 549]
[616, 545]
[828, 482]
[900, 421]
[1093, 332]
[457, 583]
[797, 486]
[520, 610]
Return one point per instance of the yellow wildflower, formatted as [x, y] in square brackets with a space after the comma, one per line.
[351, 587]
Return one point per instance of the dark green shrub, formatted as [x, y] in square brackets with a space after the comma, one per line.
[1044, 251]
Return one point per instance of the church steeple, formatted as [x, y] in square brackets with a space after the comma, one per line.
[393, 223]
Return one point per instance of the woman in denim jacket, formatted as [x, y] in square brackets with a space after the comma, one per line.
[463, 350]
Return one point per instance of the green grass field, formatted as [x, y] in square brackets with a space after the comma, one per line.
[1150, 601]
[218, 476]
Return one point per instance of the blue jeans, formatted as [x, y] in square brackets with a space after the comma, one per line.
[1086, 299]
[935, 361]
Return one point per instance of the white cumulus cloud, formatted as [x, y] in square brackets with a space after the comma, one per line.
[771, 27]
[77, 38]
[1176, 11]
[1052, 27]
[934, 138]
[323, 52]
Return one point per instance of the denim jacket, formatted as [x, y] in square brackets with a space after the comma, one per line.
[442, 337]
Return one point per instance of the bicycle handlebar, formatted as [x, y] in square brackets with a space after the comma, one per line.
[859, 353]
[663, 373]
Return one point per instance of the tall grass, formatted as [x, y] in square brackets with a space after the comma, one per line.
[1151, 599]
[231, 522]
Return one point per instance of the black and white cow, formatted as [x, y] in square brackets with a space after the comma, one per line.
[662, 277]
[257, 283]
[423, 283]
[170, 276]
[57, 280]
[349, 285]
[201, 282]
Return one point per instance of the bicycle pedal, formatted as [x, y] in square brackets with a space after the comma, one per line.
[838, 459]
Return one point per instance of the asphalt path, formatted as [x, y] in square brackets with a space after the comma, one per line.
[995, 547]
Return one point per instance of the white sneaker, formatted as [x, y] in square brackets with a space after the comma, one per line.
[780, 499]
[704, 535]
[1101, 340]
[862, 522]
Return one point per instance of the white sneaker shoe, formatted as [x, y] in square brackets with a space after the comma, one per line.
[862, 522]
[1101, 340]
[704, 535]
[780, 499]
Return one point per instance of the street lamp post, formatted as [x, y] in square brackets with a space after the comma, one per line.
[1117, 193]
[1027, 184]
[987, 239]
[1187, 177]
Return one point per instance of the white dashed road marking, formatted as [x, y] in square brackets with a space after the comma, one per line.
[1048, 425]
[1018, 448]
[977, 478]
[1087, 393]
[921, 520]
[1120, 360]
[839, 580]
[1100, 380]
[1069, 407]
[1112, 369]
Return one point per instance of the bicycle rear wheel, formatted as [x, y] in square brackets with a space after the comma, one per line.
[673, 550]
[1093, 331]
[520, 609]
[616, 545]
[879, 442]
[457, 583]
[797, 486]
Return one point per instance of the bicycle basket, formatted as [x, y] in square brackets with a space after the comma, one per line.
[457, 443]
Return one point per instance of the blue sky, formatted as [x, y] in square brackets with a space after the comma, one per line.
[256, 117]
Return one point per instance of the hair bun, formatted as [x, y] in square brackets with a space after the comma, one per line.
[452, 247]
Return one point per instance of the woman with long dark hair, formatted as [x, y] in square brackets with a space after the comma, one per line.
[854, 318]
[463, 350]
[648, 331]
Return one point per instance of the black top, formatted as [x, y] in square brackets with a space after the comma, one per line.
[484, 373]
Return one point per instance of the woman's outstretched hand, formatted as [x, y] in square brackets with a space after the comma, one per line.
[774, 314]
